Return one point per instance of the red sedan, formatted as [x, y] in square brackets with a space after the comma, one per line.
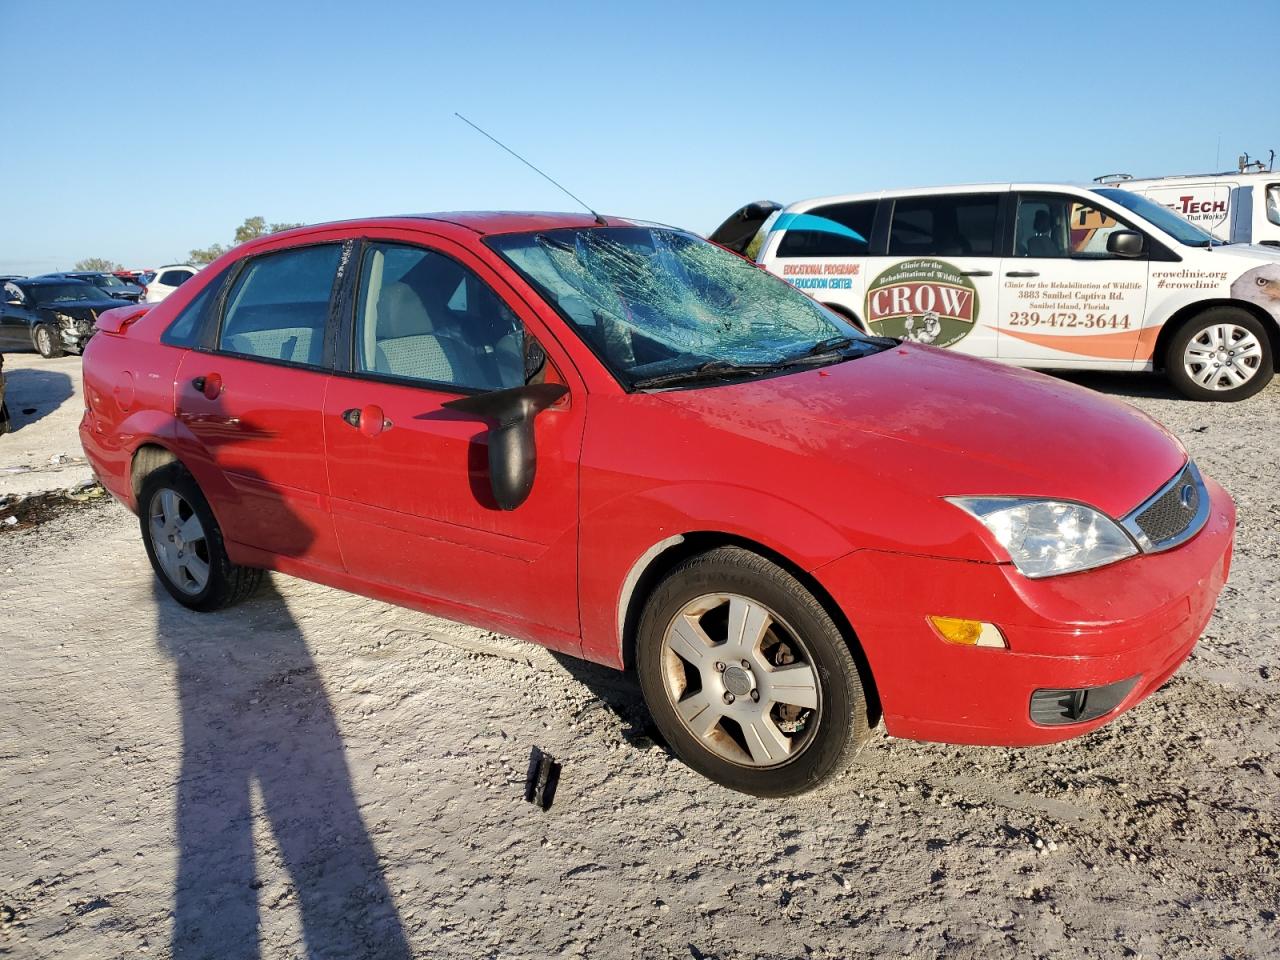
[627, 444]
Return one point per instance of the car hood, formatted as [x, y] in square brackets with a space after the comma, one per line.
[921, 419]
[81, 308]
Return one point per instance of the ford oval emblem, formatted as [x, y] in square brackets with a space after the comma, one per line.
[1187, 496]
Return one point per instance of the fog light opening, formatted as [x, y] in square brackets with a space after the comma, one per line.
[968, 633]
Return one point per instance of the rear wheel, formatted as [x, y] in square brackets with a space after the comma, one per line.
[1223, 353]
[46, 341]
[747, 676]
[184, 543]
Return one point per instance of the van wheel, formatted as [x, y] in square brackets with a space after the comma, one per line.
[46, 341]
[1221, 354]
[184, 543]
[747, 677]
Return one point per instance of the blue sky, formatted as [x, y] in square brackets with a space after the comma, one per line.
[138, 131]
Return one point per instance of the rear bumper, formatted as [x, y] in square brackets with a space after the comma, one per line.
[1138, 619]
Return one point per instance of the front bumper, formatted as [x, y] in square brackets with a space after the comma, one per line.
[1138, 619]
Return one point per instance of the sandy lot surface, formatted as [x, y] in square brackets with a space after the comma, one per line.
[314, 774]
[42, 451]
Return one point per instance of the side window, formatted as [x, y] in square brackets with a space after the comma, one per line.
[174, 278]
[279, 304]
[424, 316]
[836, 230]
[185, 329]
[944, 226]
[1273, 202]
[1053, 226]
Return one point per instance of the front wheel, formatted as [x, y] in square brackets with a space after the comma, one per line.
[46, 341]
[184, 543]
[747, 676]
[1223, 353]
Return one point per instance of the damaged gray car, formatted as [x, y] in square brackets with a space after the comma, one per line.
[53, 316]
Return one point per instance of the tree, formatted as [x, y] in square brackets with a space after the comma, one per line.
[251, 229]
[98, 264]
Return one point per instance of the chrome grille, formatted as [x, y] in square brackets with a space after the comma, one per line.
[1173, 514]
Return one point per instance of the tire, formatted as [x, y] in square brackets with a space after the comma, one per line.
[196, 570]
[45, 339]
[770, 746]
[1244, 350]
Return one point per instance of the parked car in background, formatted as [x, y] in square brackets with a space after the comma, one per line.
[50, 314]
[4, 406]
[168, 279]
[630, 445]
[1037, 275]
[110, 284]
[1240, 207]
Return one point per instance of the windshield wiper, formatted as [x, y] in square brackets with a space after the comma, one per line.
[711, 370]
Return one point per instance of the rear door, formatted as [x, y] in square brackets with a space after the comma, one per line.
[252, 402]
[932, 278]
[409, 478]
[1064, 300]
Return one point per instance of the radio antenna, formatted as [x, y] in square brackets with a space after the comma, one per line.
[559, 186]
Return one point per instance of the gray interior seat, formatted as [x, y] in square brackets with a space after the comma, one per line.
[409, 344]
[298, 344]
[1041, 243]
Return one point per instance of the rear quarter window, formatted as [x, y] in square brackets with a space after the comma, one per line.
[835, 230]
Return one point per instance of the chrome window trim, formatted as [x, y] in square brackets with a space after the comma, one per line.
[1130, 520]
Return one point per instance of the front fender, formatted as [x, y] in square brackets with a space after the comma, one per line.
[624, 535]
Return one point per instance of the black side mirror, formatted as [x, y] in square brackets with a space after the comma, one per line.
[513, 456]
[1125, 243]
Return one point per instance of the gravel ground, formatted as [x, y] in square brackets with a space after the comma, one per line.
[43, 451]
[316, 774]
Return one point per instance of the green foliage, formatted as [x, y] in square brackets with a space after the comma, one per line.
[251, 229]
[98, 264]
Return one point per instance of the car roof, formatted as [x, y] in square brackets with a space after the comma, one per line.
[959, 188]
[483, 222]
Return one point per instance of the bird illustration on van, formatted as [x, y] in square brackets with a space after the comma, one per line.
[1261, 285]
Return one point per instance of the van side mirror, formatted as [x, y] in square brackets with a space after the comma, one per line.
[1125, 243]
[513, 457]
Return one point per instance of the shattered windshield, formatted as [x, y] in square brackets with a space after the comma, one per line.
[655, 303]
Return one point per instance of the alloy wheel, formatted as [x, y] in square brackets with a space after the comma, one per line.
[1222, 356]
[741, 680]
[179, 541]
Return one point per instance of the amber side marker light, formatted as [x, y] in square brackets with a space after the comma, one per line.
[968, 633]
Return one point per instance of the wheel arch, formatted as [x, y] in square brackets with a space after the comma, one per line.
[1186, 314]
[664, 556]
[147, 458]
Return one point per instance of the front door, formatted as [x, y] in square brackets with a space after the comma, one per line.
[411, 498]
[253, 406]
[935, 283]
[1064, 300]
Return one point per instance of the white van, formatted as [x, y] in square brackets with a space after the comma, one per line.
[1037, 275]
[1239, 207]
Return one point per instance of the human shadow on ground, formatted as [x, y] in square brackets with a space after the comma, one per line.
[39, 391]
[255, 712]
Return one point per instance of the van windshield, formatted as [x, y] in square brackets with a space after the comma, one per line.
[1185, 232]
[659, 306]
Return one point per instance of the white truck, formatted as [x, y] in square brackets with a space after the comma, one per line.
[1239, 207]
[1034, 274]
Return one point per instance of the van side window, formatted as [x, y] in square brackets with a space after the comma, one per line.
[1273, 203]
[836, 230]
[1061, 227]
[278, 306]
[944, 226]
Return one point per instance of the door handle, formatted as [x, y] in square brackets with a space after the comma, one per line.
[368, 419]
[975, 273]
[1022, 273]
[210, 385]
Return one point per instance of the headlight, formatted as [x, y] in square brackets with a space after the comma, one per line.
[1048, 537]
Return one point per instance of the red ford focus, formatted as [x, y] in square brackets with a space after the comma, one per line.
[627, 444]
